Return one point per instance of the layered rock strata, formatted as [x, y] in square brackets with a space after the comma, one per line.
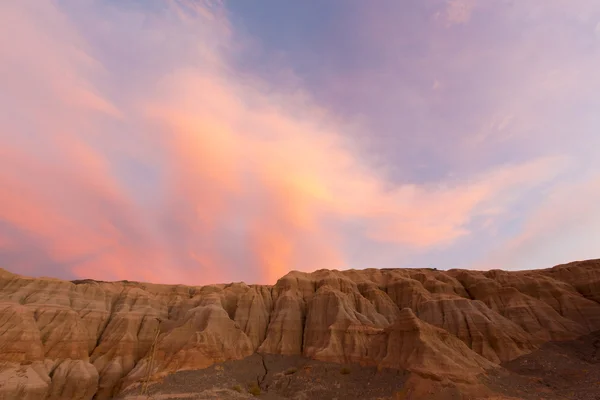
[89, 339]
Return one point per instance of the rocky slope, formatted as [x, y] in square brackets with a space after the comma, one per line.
[89, 339]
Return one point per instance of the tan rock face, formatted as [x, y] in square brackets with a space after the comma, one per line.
[87, 339]
[425, 349]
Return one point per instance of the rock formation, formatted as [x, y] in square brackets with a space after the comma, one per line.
[88, 339]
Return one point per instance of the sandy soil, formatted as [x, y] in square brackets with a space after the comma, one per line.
[277, 377]
[557, 371]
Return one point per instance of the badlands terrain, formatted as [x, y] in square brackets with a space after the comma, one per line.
[369, 334]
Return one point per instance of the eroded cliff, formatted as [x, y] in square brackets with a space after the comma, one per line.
[88, 339]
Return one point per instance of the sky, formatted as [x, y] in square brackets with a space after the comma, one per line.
[204, 141]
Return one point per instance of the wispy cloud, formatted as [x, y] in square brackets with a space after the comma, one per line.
[141, 151]
[459, 11]
[563, 229]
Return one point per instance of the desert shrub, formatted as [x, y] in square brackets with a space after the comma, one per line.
[237, 388]
[254, 389]
[291, 371]
[345, 371]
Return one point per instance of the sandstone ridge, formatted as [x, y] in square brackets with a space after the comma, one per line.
[89, 339]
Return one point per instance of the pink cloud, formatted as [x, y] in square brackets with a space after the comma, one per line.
[459, 11]
[237, 159]
[564, 224]
[293, 173]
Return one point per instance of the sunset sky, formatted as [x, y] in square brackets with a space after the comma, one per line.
[195, 142]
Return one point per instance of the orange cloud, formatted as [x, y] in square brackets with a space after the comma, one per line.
[250, 181]
[68, 211]
[289, 175]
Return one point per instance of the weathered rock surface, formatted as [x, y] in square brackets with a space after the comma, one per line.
[89, 339]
